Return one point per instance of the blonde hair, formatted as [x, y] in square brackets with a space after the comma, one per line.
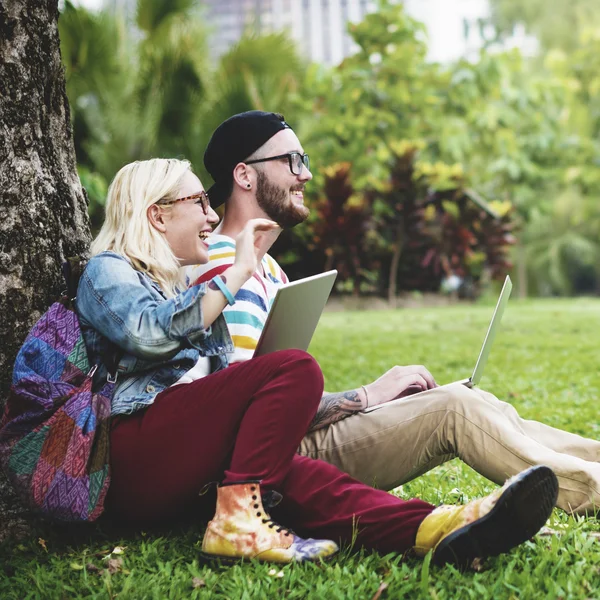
[127, 230]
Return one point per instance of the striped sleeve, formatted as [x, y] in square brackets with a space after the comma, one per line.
[274, 271]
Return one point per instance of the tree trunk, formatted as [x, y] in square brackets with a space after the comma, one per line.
[397, 247]
[521, 269]
[43, 209]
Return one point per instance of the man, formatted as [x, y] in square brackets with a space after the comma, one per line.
[260, 170]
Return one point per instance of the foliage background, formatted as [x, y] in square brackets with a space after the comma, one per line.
[422, 171]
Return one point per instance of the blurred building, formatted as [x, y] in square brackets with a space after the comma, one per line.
[318, 26]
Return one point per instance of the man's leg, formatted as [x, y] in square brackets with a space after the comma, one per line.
[400, 441]
[558, 440]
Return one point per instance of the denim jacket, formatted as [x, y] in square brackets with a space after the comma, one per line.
[128, 323]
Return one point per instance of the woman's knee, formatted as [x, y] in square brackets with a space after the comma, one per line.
[304, 371]
[303, 361]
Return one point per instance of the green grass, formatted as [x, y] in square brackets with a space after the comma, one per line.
[544, 361]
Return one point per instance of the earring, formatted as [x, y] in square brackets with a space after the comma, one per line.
[248, 186]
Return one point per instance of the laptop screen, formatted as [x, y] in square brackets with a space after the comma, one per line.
[492, 330]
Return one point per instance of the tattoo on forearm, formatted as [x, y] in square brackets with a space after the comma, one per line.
[334, 407]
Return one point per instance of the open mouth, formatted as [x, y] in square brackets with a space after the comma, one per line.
[203, 235]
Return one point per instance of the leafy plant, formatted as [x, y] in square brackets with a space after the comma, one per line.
[521, 133]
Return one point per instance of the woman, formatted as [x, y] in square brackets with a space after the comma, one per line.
[183, 419]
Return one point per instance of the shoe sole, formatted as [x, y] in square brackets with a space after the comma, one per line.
[520, 512]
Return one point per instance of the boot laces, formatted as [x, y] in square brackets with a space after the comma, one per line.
[268, 520]
[273, 524]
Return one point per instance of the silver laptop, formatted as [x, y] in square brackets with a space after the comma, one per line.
[294, 314]
[490, 335]
[485, 348]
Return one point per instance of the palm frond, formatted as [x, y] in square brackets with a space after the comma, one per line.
[151, 15]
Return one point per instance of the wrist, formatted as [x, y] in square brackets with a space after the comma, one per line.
[363, 394]
[236, 277]
[239, 273]
[219, 283]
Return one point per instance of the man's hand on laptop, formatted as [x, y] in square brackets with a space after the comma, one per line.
[399, 382]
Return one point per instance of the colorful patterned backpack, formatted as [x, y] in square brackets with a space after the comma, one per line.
[55, 431]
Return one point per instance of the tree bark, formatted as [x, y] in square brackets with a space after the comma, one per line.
[43, 209]
[397, 248]
[521, 269]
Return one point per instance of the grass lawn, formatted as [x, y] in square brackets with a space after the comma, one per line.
[544, 362]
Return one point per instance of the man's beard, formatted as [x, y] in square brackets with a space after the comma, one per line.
[276, 203]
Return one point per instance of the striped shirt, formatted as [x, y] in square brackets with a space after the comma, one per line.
[246, 318]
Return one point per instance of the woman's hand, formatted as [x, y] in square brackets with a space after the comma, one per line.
[248, 252]
[248, 247]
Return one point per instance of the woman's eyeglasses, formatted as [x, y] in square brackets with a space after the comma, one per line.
[201, 198]
[296, 161]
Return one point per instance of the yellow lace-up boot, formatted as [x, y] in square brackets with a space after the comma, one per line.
[241, 529]
[491, 525]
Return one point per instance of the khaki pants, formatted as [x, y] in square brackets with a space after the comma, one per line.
[400, 441]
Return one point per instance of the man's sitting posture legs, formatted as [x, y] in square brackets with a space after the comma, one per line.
[260, 170]
[400, 441]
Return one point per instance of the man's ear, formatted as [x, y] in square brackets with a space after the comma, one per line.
[244, 176]
[156, 216]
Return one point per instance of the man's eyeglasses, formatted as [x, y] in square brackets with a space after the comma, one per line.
[201, 198]
[296, 161]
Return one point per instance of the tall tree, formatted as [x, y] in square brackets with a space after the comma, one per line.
[43, 216]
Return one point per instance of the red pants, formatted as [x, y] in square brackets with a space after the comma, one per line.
[246, 422]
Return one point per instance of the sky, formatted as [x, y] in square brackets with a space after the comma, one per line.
[91, 4]
[444, 21]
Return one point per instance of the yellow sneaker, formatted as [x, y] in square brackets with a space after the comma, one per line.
[241, 529]
[492, 525]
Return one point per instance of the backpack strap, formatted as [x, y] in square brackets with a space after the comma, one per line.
[72, 269]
